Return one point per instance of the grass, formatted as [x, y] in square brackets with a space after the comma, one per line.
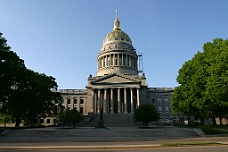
[190, 144]
[211, 130]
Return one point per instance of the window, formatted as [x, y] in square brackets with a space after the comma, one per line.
[120, 59]
[130, 60]
[116, 59]
[159, 100]
[159, 109]
[166, 100]
[109, 63]
[81, 109]
[68, 101]
[104, 62]
[153, 100]
[81, 101]
[75, 101]
[48, 120]
[133, 62]
[124, 59]
[167, 109]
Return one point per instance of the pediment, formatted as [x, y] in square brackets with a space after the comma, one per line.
[115, 79]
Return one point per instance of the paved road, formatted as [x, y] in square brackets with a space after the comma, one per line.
[167, 149]
[91, 138]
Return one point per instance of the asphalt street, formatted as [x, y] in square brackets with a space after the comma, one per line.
[100, 138]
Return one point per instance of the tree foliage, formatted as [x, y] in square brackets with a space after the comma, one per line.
[25, 94]
[203, 83]
[145, 114]
[71, 116]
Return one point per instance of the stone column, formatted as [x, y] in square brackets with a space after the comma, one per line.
[122, 59]
[65, 102]
[106, 60]
[138, 99]
[105, 109]
[78, 104]
[114, 56]
[118, 98]
[93, 102]
[125, 100]
[132, 101]
[99, 101]
[72, 103]
[112, 102]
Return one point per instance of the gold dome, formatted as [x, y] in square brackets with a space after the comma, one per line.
[117, 35]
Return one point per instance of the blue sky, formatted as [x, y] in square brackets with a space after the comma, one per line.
[63, 38]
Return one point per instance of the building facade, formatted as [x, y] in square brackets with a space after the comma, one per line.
[117, 86]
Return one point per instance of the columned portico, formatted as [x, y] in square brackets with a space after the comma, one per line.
[118, 100]
[110, 100]
[132, 102]
[105, 102]
[99, 101]
[125, 100]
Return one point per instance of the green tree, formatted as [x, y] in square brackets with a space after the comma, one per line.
[203, 83]
[73, 116]
[11, 73]
[25, 94]
[145, 114]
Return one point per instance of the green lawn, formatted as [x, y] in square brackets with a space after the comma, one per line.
[217, 129]
[189, 144]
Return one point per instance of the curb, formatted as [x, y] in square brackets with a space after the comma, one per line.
[79, 147]
[200, 132]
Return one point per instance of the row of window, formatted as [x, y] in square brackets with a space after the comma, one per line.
[75, 101]
[75, 108]
[119, 46]
[159, 100]
[117, 59]
[161, 111]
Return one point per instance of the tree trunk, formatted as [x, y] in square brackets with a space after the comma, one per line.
[201, 121]
[18, 121]
[213, 119]
[220, 120]
[189, 121]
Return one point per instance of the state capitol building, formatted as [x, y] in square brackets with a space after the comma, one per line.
[118, 87]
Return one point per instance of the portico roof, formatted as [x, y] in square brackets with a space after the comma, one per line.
[115, 79]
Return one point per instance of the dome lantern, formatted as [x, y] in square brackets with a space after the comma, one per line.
[116, 22]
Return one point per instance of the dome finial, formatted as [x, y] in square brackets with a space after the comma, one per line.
[116, 22]
[116, 14]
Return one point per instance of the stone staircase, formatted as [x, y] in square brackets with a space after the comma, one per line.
[113, 120]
